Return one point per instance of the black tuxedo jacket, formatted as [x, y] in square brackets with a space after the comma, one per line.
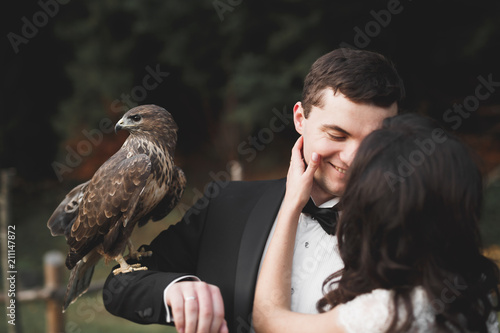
[220, 240]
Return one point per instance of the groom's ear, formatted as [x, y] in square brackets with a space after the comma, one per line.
[298, 117]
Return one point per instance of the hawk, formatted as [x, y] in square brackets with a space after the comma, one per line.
[138, 183]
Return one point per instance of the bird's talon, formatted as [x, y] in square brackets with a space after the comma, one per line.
[138, 255]
[131, 268]
[142, 254]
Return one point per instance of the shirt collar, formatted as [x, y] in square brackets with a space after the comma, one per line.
[329, 204]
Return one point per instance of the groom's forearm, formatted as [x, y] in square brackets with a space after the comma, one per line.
[138, 296]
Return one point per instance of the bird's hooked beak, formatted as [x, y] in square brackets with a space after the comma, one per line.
[119, 125]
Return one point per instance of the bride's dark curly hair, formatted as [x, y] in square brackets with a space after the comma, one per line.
[410, 218]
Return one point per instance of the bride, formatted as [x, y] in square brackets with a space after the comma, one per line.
[408, 236]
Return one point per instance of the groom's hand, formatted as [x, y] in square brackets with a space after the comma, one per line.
[196, 307]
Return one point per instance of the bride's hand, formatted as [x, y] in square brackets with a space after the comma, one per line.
[300, 177]
[272, 295]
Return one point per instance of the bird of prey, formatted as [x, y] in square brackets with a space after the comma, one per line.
[138, 183]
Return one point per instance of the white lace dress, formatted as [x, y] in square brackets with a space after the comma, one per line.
[372, 312]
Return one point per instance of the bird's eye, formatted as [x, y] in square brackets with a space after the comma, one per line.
[135, 117]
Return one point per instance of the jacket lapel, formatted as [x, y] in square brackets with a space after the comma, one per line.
[253, 241]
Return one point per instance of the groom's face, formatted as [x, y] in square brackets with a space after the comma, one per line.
[334, 130]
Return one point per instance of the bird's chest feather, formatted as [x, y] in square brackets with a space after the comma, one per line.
[159, 180]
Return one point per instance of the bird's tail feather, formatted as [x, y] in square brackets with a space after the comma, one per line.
[80, 277]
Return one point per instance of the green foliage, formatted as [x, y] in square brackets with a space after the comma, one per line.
[244, 58]
[100, 71]
[230, 63]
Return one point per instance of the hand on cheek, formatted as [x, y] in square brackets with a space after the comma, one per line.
[300, 176]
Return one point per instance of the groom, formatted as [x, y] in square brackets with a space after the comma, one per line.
[203, 270]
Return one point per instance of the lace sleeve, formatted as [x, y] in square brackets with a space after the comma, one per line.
[493, 323]
[373, 312]
[367, 313]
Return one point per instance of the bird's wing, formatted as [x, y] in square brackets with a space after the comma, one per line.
[171, 198]
[65, 214]
[109, 201]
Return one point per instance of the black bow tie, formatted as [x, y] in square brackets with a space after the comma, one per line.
[327, 217]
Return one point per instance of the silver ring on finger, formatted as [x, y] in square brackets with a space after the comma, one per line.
[190, 298]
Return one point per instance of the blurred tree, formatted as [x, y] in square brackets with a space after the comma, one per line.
[31, 82]
[100, 35]
[230, 62]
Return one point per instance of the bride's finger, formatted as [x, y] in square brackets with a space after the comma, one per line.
[308, 175]
[297, 152]
[299, 143]
[299, 181]
[312, 166]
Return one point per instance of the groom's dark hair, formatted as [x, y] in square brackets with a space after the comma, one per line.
[364, 77]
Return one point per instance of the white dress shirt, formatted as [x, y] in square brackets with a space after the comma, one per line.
[315, 257]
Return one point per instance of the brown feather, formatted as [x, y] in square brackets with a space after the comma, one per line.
[138, 183]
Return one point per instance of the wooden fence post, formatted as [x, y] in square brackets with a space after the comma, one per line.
[53, 263]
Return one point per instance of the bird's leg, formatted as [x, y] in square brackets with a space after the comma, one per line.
[137, 255]
[126, 268]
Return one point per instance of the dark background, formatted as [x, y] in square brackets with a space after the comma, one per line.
[228, 67]
[232, 66]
